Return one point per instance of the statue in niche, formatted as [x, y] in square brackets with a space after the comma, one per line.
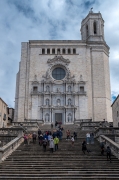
[69, 102]
[35, 77]
[81, 78]
[47, 102]
[47, 88]
[69, 88]
[58, 89]
[69, 118]
[58, 102]
[47, 117]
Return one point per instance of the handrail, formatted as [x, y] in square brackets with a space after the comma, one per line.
[7, 149]
[108, 142]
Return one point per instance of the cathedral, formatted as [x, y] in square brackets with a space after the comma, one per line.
[65, 80]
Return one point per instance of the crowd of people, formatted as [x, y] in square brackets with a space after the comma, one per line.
[51, 139]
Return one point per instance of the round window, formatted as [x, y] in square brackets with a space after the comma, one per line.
[58, 73]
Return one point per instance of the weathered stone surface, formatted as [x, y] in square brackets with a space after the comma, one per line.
[87, 68]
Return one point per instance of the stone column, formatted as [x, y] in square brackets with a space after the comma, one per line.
[56, 51]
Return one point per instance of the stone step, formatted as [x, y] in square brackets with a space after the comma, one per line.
[30, 162]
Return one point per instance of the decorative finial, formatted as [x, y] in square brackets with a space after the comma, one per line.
[91, 10]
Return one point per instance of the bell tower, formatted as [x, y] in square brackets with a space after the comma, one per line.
[92, 27]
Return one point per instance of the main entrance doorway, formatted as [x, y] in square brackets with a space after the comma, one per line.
[58, 118]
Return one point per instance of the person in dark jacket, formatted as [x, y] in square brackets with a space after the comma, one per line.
[102, 148]
[40, 139]
[44, 144]
[108, 150]
[84, 148]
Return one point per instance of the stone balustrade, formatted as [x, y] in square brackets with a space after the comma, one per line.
[81, 120]
[108, 142]
[5, 138]
[26, 123]
[7, 149]
[106, 131]
[13, 131]
[92, 126]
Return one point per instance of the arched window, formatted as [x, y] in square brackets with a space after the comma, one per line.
[47, 88]
[47, 117]
[87, 33]
[58, 102]
[35, 89]
[53, 51]
[58, 51]
[48, 51]
[95, 27]
[43, 51]
[69, 102]
[69, 118]
[63, 51]
[69, 51]
[47, 102]
[81, 88]
[74, 51]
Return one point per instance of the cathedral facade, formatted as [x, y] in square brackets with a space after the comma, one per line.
[65, 80]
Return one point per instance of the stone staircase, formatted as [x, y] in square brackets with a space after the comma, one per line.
[68, 162]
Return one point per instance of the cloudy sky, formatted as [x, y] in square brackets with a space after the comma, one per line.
[24, 20]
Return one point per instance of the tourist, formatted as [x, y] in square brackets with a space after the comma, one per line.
[60, 134]
[40, 139]
[29, 138]
[51, 145]
[49, 138]
[44, 144]
[56, 141]
[39, 132]
[102, 148]
[56, 123]
[68, 134]
[72, 140]
[84, 148]
[25, 139]
[75, 135]
[51, 126]
[88, 138]
[45, 135]
[92, 137]
[34, 137]
[108, 150]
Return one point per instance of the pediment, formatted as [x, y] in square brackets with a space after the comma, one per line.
[58, 59]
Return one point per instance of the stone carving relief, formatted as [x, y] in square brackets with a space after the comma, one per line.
[35, 81]
[58, 59]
